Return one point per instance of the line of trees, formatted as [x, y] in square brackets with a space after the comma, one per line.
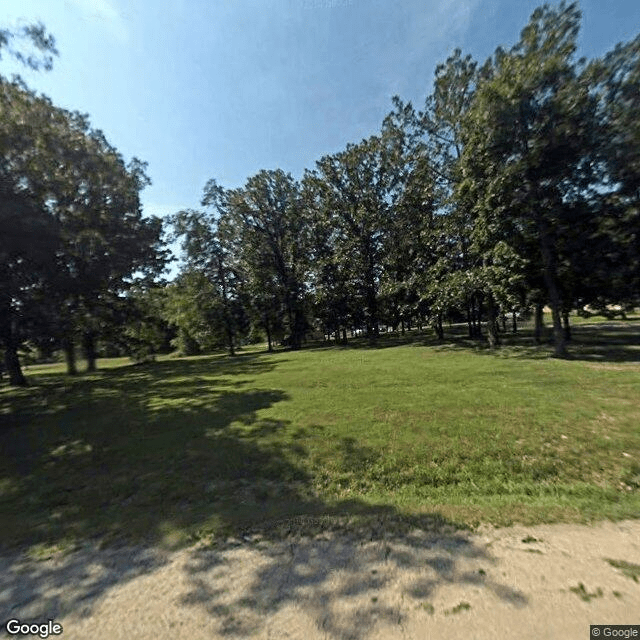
[517, 185]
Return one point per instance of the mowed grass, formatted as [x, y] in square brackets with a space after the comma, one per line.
[411, 431]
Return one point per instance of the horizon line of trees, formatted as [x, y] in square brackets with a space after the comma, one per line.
[517, 185]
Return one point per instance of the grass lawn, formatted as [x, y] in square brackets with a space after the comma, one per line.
[406, 432]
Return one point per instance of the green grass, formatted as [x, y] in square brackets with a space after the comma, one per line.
[428, 607]
[583, 594]
[628, 568]
[410, 432]
[462, 606]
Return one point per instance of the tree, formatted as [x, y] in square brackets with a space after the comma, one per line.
[79, 190]
[140, 329]
[614, 81]
[213, 283]
[266, 222]
[528, 145]
[410, 242]
[36, 35]
[27, 240]
[333, 287]
[356, 193]
[27, 245]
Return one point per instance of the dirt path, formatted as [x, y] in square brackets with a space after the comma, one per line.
[518, 582]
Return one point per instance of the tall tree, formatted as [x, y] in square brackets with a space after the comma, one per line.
[357, 190]
[528, 144]
[614, 79]
[27, 234]
[267, 214]
[409, 250]
[78, 187]
[208, 266]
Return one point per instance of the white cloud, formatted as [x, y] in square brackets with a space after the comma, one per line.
[104, 12]
[446, 21]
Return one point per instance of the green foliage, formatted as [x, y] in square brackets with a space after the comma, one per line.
[353, 194]
[191, 305]
[265, 228]
[146, 332]
[529, 144]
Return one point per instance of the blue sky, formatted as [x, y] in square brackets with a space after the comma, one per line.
[223, 88]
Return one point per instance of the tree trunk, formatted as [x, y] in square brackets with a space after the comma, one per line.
[228, 325]
[372, 300]
[12, 364]
[8, 337]
[89, 349]
[268, 330]
[402, 327]
[566, 326]
[344, 335]
[228, 321]
[537, 330]
[438, 327]
[70, 356]
[230, 347]
[550, 278]
[514, 323]
[492, 323]
[469, 320]
[295, 324]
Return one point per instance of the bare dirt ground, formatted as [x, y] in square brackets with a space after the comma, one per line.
[546, 581]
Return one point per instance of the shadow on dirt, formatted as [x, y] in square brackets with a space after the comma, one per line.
[347, 580]
[39, 590]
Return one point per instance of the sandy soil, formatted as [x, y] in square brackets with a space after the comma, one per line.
[491, 584]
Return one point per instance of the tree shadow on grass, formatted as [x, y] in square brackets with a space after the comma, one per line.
[606, 343]
[614, 341]
[130, 453]
[141, 455]
[610, 342]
